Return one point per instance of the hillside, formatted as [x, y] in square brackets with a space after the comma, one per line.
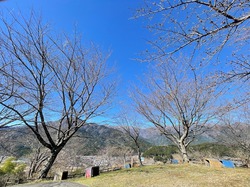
[90, 140]
[153, 136]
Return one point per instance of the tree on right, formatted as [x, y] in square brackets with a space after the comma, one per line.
[180, 103]
[235, 131]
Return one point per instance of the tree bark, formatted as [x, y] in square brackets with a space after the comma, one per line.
[183, 152]
[139, 156]
[49, 164]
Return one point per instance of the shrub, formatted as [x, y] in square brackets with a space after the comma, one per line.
[9, 170]
[161, 159]
[212, 149]
[78, 172]
[161, 153]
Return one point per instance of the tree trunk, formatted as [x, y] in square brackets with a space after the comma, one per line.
[139, 156]
[49, 164]
[183, 152]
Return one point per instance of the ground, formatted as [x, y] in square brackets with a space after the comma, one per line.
[52, 184]
[179, 175]
[172, 175]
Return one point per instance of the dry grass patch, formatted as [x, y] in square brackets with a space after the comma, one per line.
[171, 175]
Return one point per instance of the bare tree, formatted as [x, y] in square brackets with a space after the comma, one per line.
[179, 103]
[37, 159]
[235, 129]
[50, 79]
[131, 127]
[192, 26]
[116, 155]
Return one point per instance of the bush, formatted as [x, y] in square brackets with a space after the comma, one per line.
[77, 172]
[11, 170]
[212, 149]
[161, 153]
[161, 159]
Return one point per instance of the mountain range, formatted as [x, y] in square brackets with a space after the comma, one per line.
[91, 139]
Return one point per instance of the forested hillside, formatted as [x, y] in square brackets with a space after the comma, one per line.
[90, 140]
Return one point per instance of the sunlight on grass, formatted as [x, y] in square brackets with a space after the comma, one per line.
[170, 175]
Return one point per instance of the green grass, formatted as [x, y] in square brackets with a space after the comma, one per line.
[171, 175]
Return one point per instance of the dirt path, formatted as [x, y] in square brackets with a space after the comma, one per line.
[51, 184]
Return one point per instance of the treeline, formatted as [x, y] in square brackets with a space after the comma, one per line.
[199, 151]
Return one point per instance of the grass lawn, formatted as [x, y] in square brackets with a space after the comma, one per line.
[171, 175]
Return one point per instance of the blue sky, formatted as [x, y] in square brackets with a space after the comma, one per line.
[107, 23]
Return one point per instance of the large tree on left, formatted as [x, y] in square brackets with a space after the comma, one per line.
[47, 78]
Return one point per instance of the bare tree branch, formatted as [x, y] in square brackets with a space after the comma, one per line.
[199, 27]
[131, 128]
[47, 79]
[180, 103]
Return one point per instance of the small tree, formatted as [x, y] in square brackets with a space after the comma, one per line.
[131, 129]
[38, 158]
[115, 155]
[179, 103]
[235, 130]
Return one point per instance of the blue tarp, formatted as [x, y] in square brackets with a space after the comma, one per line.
[227, 163]
[127, 166]
[174, 161]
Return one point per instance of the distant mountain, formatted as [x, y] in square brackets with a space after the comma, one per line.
[89, 140]
[153, 136]
[98, 137]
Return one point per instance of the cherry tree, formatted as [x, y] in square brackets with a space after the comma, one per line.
[52, 84]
